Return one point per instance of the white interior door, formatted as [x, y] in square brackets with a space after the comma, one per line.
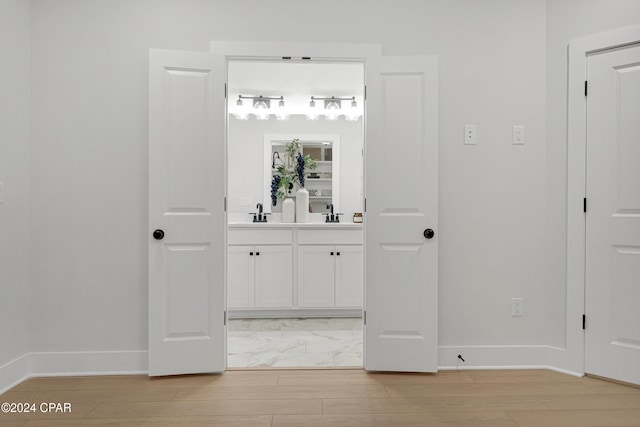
[612, 346]
[186, 201]
[401, 187]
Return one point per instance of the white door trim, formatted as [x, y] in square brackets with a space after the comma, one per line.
[572, 358]
[296, 51]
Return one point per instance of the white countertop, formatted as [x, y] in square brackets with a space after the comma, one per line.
[341, 225]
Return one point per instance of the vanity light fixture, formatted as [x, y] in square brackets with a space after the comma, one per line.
[333, 107]
[261, 107]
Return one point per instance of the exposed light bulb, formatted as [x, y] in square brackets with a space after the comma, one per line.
[262, 115]
[312, 116]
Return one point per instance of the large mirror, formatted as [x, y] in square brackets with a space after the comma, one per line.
[322, 182]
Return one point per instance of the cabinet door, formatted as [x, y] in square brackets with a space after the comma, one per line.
[273, 276]
[316, 276]
[240, 285]
[349, 276]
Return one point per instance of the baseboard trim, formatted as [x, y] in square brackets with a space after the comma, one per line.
[75, 363]
[14, 372]
[88, 363]
[500, 357]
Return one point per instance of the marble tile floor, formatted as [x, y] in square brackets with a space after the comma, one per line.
[310, 342]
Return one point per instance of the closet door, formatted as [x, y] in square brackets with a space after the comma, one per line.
[401, 223]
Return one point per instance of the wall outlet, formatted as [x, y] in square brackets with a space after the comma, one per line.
[470, 135]
[516, 307]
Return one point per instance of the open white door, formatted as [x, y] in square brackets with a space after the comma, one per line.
[401, 187]
[186, 213]
[612, 335]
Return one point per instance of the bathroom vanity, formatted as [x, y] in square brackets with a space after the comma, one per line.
[294, 269]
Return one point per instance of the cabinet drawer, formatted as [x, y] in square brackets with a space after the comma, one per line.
[259, 237]
[330, 237]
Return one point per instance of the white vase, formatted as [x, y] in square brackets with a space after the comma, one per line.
[302, 205]
[288, 210]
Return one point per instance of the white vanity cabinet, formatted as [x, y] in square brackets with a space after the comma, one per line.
[330, 268]
[259, 275]
[330, 276]
[296, 269]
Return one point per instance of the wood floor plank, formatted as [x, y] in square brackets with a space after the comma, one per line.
[519, 375]
[219, 407]
[179, 381]
[195, 421]
[488, 389]
[430, 404]
[433, 419]
[607, 387]
[282, 392]
[609, 401]
[577, 418]
[48, 383]
[374, 378]
[93, 396]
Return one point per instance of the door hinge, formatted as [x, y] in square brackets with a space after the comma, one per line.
[584, 205]
[225, 91]
[225, 203]
[364, 317]
[365, 204]
[225, 318]
[584, 321]
[586, 86]
[365, 92]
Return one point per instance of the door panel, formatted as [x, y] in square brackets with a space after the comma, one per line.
[612, 335]
[401, 186]
[274, 276]
[349, 276]
[240, 277]
[186, 195]
[316, 276]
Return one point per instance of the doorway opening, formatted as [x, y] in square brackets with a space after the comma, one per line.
[295, 286]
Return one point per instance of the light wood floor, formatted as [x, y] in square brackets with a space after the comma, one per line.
[331, 398]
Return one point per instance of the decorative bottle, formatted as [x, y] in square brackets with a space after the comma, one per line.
[288, 210]
[302, 205]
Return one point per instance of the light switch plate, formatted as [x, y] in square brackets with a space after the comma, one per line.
[470, 135]
[518, 135]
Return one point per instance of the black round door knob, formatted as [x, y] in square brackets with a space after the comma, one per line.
[429, 233]
[158, 234]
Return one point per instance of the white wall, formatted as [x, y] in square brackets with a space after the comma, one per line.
[89, 229]
[566, 20]
[14, 172]
[246, 157]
